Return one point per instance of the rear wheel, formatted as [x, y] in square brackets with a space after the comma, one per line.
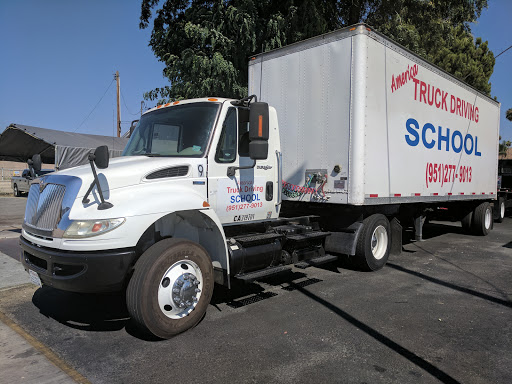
[482, 219]
[16, 191]
[374, 242]
[500, 210]
[171, 287]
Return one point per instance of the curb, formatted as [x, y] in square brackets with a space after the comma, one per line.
[44, 350]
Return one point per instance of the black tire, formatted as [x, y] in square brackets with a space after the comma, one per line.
[466, 222]
[482, 222]
[149, 278]
[17, 192]
[500, 210]
[366, 258]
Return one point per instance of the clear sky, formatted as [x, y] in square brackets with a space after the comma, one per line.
[57, 59]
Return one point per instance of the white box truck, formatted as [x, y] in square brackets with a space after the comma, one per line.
[353, 137]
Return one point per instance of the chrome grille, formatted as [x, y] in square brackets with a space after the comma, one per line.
[44, 208]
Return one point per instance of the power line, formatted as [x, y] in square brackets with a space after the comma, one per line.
[502, 52]
[128, 109]
[94, 106]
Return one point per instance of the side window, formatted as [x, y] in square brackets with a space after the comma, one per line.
[226, 149]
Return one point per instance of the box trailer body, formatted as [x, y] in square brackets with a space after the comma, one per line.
[400, 129]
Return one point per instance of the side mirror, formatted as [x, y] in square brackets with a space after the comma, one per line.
[258, 150]
[258, 131]
[101, 157]
[36, 163]
[34, 166]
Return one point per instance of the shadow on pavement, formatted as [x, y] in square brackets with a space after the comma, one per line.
[88, 312]
[409, 355]
[108, 312]
[506, 303]
[431, 230]
[242, 294]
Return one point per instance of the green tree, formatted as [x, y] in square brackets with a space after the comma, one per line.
[504, 146]
[509, 114]
[205, 44]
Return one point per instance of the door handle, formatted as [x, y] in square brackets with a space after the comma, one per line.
[269, 191]
[279, 156]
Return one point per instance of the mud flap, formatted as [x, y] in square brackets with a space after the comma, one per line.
[396, 237]
[344, 242]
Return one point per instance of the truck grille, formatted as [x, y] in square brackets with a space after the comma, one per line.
[44, 209]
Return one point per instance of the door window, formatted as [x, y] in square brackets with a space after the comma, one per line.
[226, 149]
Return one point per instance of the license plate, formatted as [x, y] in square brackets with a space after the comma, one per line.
[34, 278]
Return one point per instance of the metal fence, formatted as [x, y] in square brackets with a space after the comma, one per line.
[6, 174]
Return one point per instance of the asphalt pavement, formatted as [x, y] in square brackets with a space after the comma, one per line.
[439, 312]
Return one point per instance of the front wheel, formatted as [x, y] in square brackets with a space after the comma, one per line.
[374, 242]
[171, 287]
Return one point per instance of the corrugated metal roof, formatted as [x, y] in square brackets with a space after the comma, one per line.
[19, 142]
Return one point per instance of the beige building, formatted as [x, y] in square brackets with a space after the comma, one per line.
[507, 156]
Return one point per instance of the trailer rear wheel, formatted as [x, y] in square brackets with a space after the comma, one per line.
[171, 287]
[500, 210]
[482, 219]
[374, 242]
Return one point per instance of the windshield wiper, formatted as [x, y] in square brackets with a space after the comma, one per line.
[152, 154]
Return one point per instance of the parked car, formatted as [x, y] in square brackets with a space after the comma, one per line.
[21, 184]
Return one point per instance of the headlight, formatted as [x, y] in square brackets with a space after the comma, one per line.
[89, 228]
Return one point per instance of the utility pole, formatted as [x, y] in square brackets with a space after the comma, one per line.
[118, 105]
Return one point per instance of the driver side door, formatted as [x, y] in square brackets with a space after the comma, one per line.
[250, 194]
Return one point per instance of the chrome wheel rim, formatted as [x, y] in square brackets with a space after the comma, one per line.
[179, 289]
[379, 242]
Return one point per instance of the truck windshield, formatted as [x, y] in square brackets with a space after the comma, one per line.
[178, 131]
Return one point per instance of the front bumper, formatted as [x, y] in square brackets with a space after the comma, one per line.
[98, 271]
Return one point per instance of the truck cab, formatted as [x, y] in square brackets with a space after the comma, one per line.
[189, 204]
[212, 137]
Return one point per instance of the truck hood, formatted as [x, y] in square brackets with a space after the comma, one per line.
[131, 170]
